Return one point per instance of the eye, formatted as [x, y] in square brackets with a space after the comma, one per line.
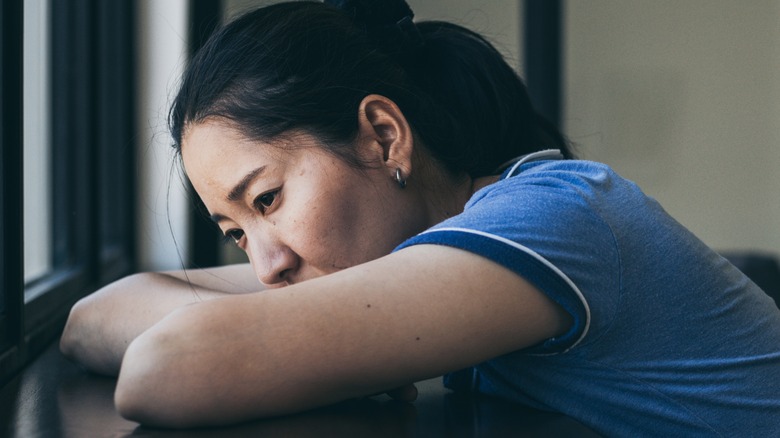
[234, 234]
[266, 200]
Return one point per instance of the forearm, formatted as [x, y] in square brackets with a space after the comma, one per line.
[102, 325]
[359, 331]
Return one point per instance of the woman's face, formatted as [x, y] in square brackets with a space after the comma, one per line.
[297, 211]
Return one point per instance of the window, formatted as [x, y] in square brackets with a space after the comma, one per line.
[67, 163]
[36, 155]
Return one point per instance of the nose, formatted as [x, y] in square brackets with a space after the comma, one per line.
[273, 262]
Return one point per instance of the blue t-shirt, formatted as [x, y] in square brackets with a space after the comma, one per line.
[668, 338]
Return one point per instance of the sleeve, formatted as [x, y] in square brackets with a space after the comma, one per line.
[546, 228]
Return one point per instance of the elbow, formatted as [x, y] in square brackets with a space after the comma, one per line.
[69, 341]
[133, 398]
[154, 386]
[81, 338]
[129, 400]
[146, 387]
[173, 375]
[90, 336]
[73, 342]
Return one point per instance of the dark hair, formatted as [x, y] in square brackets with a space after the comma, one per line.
[307, 66]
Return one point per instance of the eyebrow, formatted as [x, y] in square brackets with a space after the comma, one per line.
[239, 189]
[237, 192]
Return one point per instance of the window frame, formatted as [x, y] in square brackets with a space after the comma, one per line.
[542, 51]
[93, 167]
[11, 269]
[204, 237]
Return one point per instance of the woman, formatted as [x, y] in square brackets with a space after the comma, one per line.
[371, 167]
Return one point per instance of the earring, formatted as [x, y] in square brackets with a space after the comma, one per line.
[399, 178]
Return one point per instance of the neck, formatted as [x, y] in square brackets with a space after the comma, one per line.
[482, 182]
[449, 196]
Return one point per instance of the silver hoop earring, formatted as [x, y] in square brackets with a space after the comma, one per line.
[399, 178]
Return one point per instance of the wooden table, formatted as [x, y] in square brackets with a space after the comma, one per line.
[54, 397]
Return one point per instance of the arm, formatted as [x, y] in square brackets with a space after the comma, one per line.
[414, 314]
[102, 325]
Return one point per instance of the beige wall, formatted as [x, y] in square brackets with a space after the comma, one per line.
[496, 19]
[684, 98]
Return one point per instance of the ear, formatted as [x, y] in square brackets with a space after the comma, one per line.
[385, 134]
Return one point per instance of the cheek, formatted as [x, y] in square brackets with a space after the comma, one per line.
[334, 233]
[332, 228]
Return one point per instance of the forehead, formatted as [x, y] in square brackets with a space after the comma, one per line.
[215, 153]
[212, 138]
[215, 136]
[214, 142]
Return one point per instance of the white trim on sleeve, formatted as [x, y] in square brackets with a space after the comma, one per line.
[538, 257]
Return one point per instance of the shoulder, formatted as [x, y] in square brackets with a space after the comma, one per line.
[547, 202]
[547, 224]
[575, 179]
